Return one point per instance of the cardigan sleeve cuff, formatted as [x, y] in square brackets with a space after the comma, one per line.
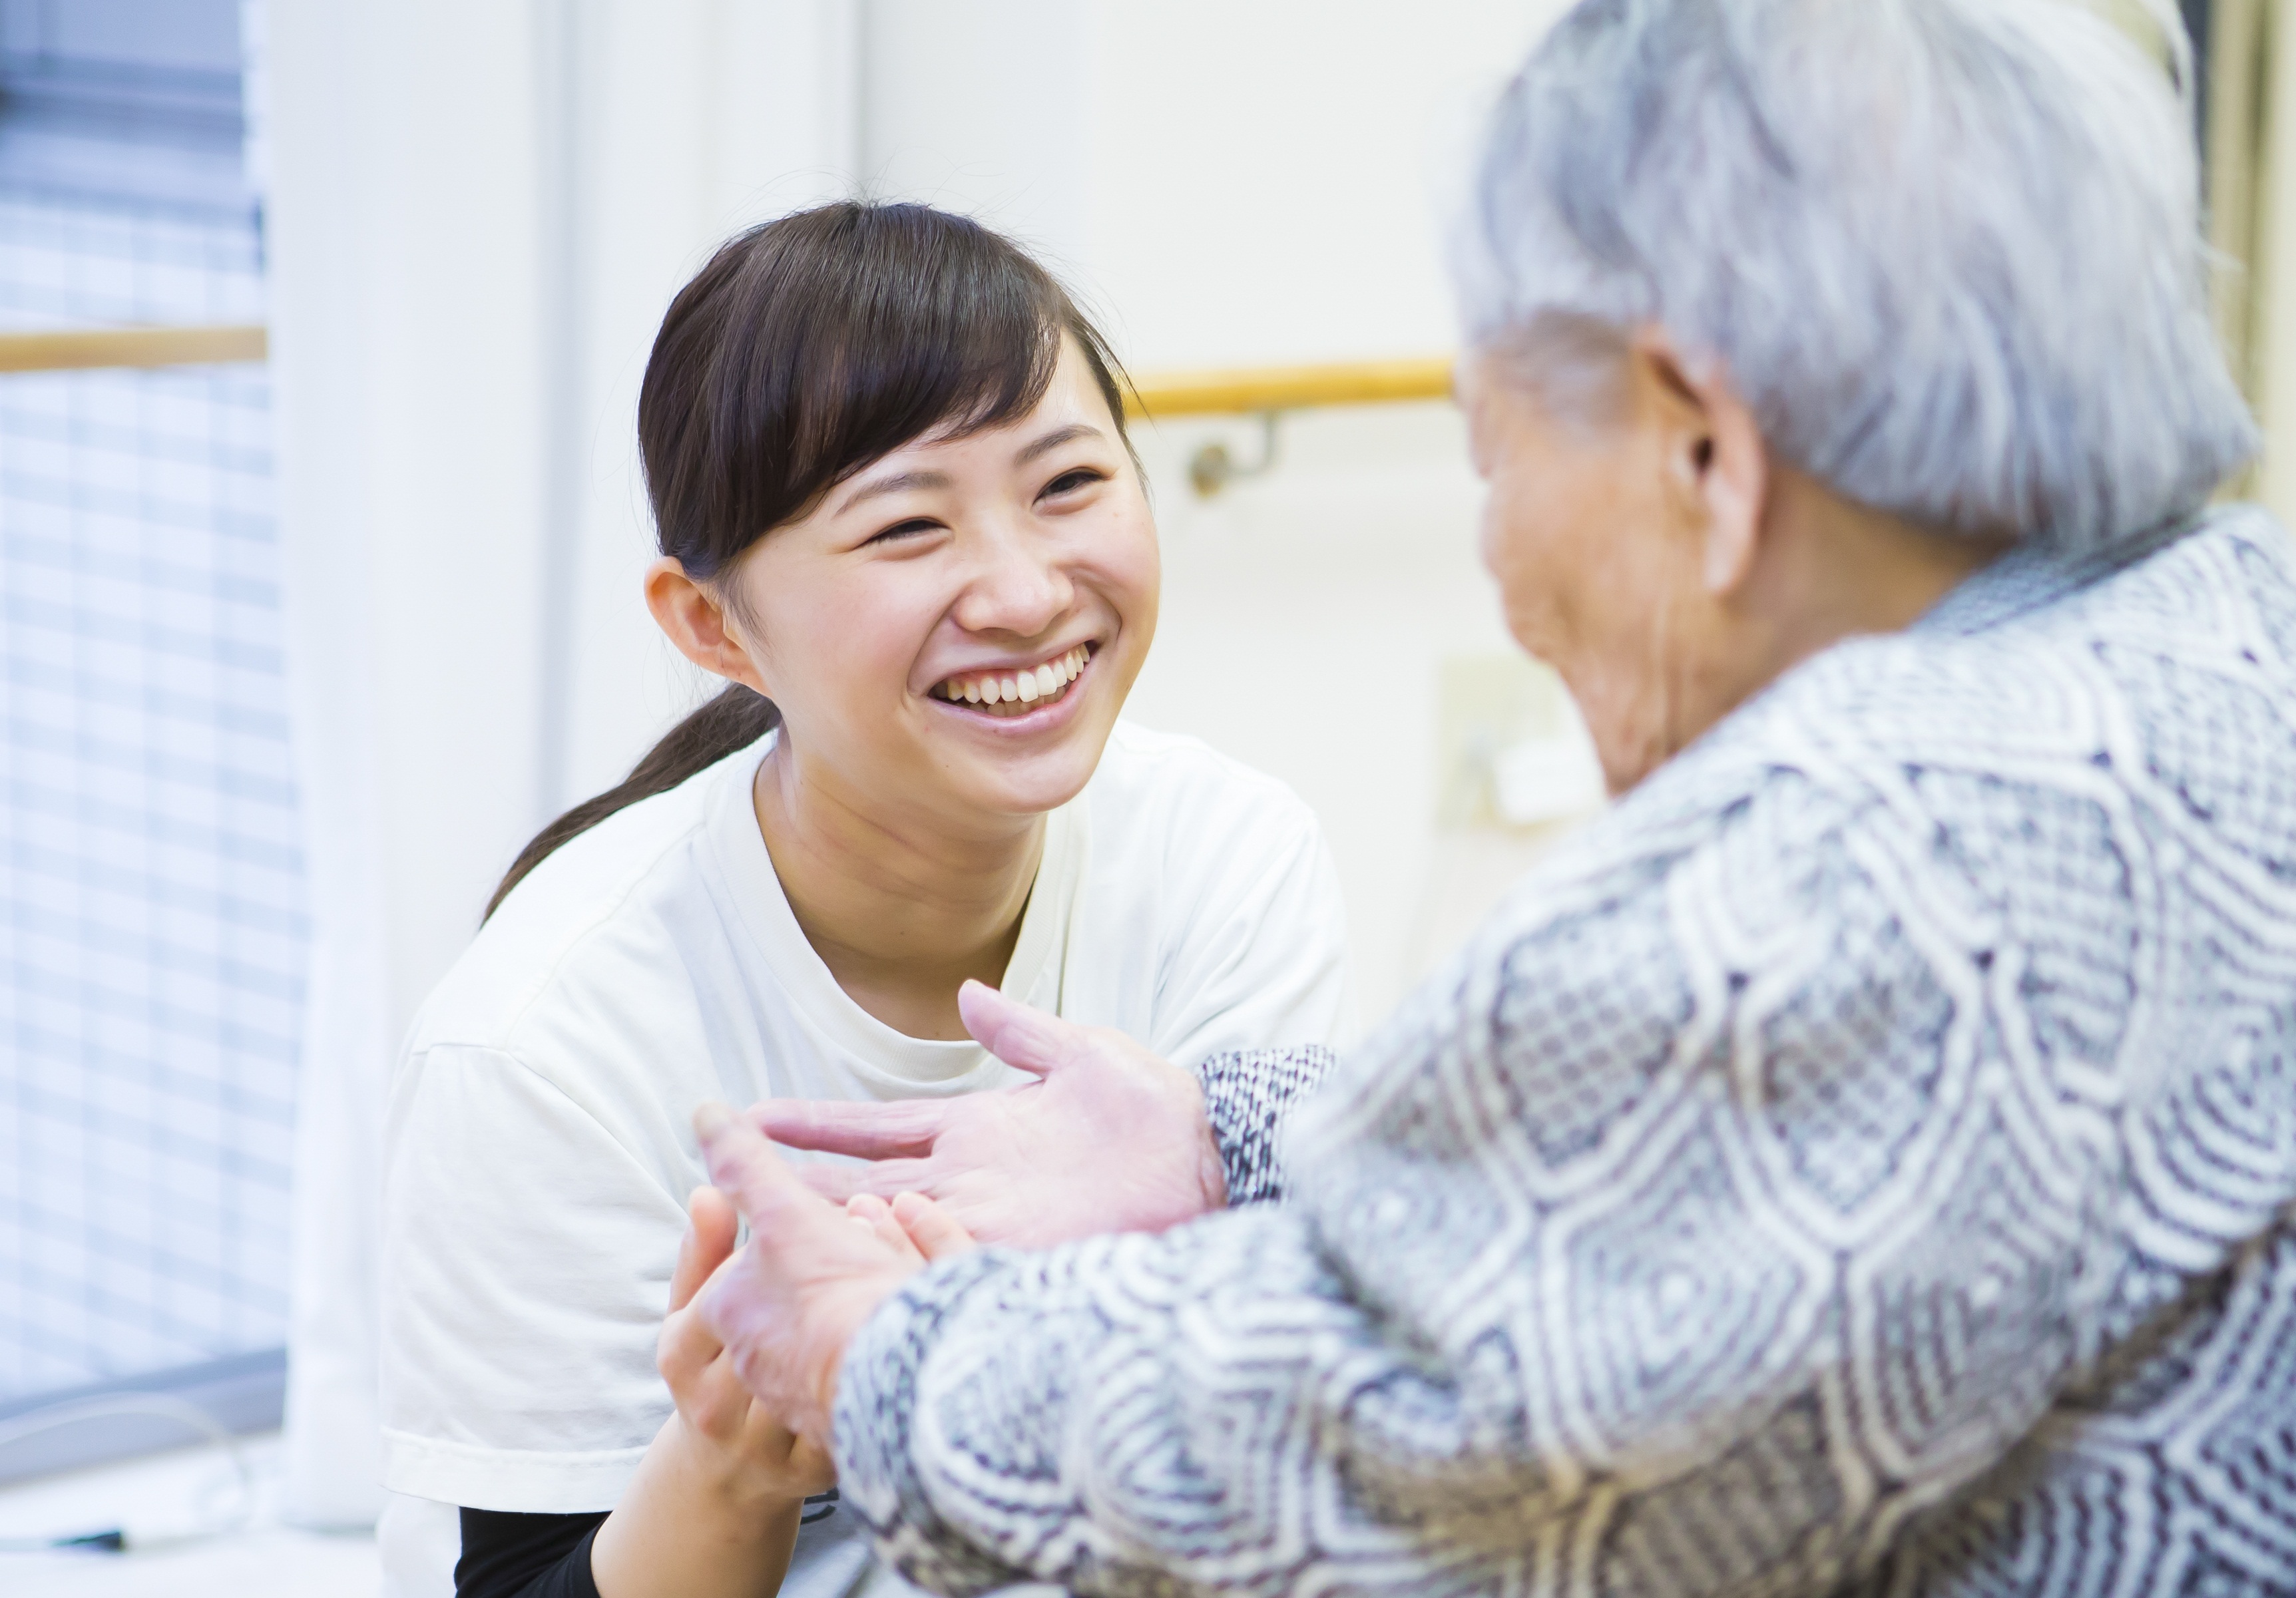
[1247, 1097]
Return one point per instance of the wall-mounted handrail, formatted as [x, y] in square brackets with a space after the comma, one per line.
[1236, 392]
[81, 348]
[1243, 392]
[1267, 392]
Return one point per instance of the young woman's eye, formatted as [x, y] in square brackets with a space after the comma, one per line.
[1069, 482]
[904, 529]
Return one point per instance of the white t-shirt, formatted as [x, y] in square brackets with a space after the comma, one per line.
[539, 1148]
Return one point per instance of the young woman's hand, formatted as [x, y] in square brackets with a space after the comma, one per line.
[713, 1511]
[735, 1441]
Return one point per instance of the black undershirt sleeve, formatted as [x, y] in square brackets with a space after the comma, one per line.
[526, 1556]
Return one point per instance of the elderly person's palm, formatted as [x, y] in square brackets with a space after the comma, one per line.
[1108, 1138]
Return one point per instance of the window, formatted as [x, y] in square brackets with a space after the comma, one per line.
[152, 923]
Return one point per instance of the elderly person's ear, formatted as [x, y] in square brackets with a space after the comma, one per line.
[1715, 452]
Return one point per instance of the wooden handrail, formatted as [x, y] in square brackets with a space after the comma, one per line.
[80, 348]
[1166, 394]
[1211, 393]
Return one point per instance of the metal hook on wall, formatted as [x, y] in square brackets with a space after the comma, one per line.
[1213, 468]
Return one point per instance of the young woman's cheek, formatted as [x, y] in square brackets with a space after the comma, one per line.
[879, 635]
[1123, 566]
[839, 646]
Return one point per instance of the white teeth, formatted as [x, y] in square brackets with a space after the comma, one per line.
[1025, 687]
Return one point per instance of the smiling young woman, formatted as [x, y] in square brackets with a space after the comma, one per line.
[900, 516]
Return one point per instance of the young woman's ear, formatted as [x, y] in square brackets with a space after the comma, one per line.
[1719, 456]
[694, 619]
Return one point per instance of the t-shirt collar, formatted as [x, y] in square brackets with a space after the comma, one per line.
[1035, 972]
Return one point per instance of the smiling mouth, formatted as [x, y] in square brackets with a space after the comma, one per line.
[1016, 693]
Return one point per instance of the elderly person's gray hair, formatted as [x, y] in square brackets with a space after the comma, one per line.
[1946, 249]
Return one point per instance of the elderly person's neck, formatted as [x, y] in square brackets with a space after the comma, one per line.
[1651, 547]
[1747, 607]
[1825, 569]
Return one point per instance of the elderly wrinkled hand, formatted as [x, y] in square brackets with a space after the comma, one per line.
[785, 1307]
[741, 1445]
[1107, 1138]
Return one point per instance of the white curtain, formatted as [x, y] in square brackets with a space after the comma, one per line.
[477, 215]
[2251, 196]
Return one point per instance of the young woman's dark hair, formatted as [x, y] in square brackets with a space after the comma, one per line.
[807, 348]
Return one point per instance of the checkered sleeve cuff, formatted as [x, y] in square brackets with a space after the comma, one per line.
[1247, 1096]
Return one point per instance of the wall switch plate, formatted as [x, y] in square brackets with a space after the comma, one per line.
[1510, 748]
[1516, 773]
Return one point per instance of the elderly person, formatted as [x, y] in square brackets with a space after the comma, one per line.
[1863, 1157]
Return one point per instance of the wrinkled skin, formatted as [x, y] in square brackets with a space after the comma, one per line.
[1108, 1137]
[711, 1395]
[784, 1314]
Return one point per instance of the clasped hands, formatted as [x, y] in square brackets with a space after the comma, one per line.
[1105, 1137]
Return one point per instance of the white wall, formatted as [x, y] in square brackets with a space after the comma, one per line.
[992, 108]
[1230, 184]
[1271, 176]
[1305, 618]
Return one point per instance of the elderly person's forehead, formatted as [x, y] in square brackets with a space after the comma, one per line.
[1948, 249]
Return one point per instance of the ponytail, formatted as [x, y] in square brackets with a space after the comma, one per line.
[733, 720]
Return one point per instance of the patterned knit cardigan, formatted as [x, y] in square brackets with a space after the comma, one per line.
[1862, 1160]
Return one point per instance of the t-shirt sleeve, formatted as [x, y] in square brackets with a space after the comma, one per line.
[1258, 958]
[526, 1264]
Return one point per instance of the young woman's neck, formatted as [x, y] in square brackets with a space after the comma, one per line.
[901, 912]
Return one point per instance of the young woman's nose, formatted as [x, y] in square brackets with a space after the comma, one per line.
[1020, 588]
